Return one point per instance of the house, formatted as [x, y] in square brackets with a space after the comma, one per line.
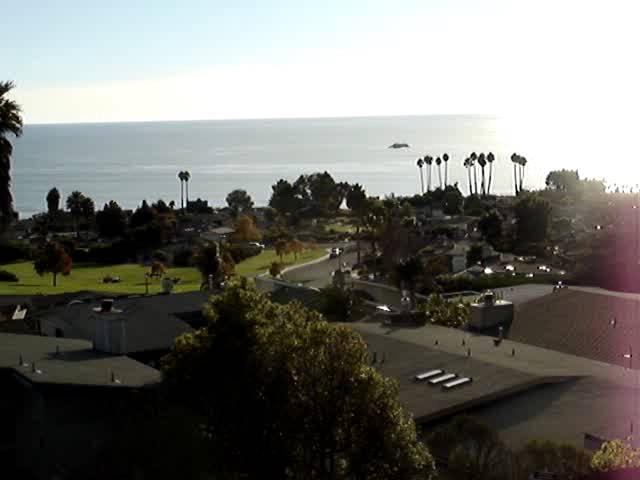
[61, 401]
[457, 258]
[217, 234]
[142, 327]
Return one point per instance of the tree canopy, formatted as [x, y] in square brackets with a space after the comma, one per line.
[53, 258]
[284, 394]
[111, 220]
[533, 215]
[10, 124]
[246, 230]
[240, 202]
[53, 201]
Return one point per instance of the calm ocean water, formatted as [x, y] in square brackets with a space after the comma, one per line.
[129, 162]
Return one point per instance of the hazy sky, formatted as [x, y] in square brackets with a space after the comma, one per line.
[76, 61]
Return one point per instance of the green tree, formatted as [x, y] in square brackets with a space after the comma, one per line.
[10, 124]
[143, 215]
[240, 202]
[74, 205]
[491, 227]
[482, 161]
[207, 261]
[407, 273]
[111, 220]
[357, 203]
[447, 313]
[88, 209]
[284, 394]
[615, 455]
[533, 215]
[470, 449]
[490, 159]
[453, 200]
[420, 165]
[53, 258]
[337, 304]
[53, 201]
[563, 180]
[285, 198]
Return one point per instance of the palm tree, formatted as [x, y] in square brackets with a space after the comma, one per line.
[181, 177]
[429, 161]
[514, 160]
[420, 164]
[10, 123]
[473, 158]
[467, 164]
[75, 203]
[483, 163]
[187, 177]
[445, 159]
[490, 158]
[523, 163]
[439, 163]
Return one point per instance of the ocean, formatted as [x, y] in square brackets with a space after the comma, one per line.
[129, 162]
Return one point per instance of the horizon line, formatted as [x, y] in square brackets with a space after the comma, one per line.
[328, 117]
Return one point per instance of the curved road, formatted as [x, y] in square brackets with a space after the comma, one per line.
[318, 274]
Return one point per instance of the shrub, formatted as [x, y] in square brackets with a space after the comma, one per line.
[275, 269]
[183, 257]
[242, 252]
[14, 251]
[160, 256]
[7, 276]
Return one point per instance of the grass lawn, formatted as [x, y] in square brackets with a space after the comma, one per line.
[340, 227]
[132, 276]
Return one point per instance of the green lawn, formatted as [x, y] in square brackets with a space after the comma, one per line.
[132, 276]
[340, 227]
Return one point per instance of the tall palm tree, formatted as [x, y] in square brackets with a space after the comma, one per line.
[490, 158]
[439, 163]
[187, 177]
[474, 158]
[445, 159]
[181, 178]
[523, 163]
[428, 160]
[514, 160]
[483, 163]
[467, 165]
[420, 164]
[10, 123]
[74, 205]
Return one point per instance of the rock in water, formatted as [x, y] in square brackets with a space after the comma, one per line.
[399, 145]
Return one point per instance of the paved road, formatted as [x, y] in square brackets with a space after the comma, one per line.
[318, 274]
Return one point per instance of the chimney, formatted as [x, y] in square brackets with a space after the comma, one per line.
[110, 335]
[106, 305]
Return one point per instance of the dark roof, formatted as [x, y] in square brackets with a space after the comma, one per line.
[152, 322]
[520, 405]
[579, 323]
[403, 361]
[76, 363]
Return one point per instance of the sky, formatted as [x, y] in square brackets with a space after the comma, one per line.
[134, 60]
